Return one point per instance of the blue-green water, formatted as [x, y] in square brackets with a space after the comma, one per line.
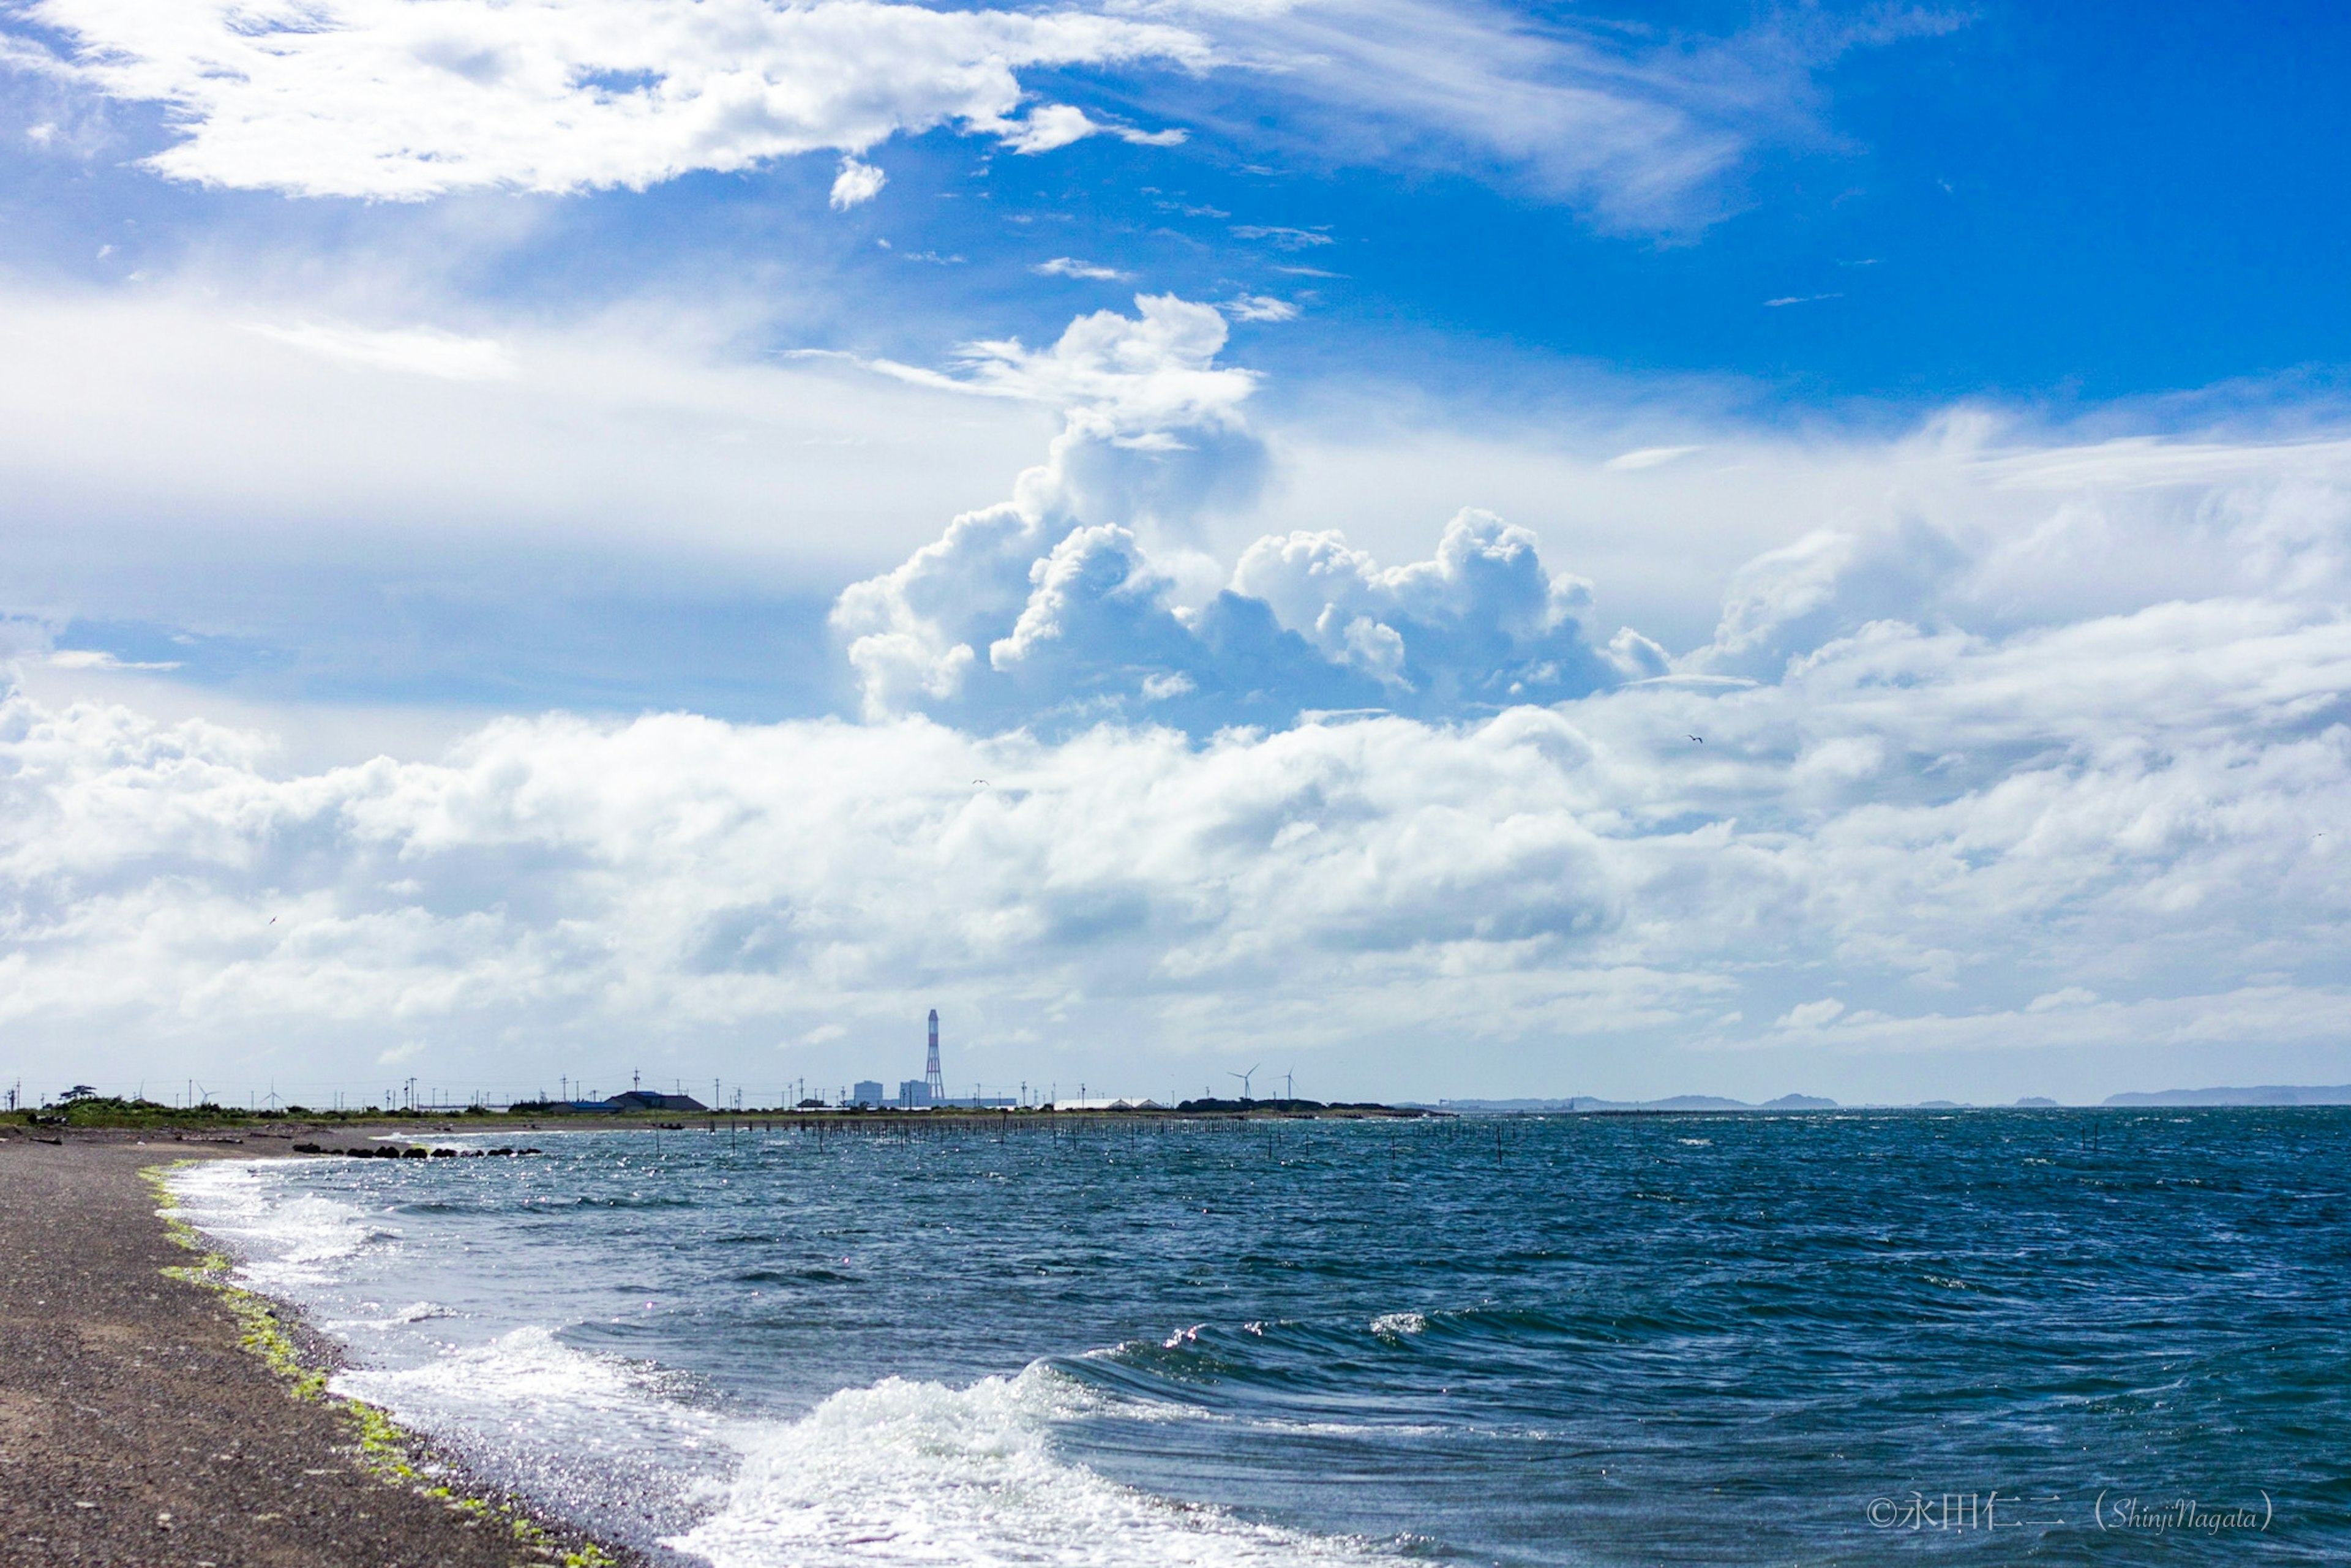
[1977, 1337]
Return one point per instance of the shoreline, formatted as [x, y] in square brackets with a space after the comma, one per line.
[152, 1412]
[160, 1124]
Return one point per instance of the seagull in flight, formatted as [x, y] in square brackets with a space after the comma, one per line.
[1700, 738]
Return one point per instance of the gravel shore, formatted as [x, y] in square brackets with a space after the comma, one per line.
[136, 1429]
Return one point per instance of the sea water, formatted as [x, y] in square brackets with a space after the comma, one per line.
[1979, 1337]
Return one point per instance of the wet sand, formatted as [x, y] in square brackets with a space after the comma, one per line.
[136, 1429]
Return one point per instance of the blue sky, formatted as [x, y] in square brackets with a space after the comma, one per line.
[2094, 216]
[925, 379]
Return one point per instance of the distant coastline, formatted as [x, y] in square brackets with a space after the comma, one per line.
[1581, 1104]
[2266, 1094]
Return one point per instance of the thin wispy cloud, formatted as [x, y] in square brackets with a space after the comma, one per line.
[395, 100]
[388, 98]
[419, 351]
[1070, 267]
[1260, 307]
[1282, 238]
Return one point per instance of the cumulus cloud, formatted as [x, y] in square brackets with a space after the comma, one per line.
[857, 182]
[1135, 382]
[389, 98]
[2097, 838]
[2037, 749]
[1066, 605]
[1993, 541]
[1483, 620]
[1152, 431]
[1054, 608]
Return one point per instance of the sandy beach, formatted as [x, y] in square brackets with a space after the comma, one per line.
[136, 1428]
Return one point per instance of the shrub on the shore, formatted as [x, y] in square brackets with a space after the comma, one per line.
[83, 1108]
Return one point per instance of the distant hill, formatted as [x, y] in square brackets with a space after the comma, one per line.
[2266, 1094]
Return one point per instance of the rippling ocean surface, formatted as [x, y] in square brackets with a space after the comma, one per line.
[1979, 1337]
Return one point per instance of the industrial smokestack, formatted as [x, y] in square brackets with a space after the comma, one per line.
[931, 1074]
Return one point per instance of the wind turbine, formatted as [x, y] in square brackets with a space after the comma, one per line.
[1245, 1078]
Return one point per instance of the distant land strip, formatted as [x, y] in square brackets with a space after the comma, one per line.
[2266, 1094]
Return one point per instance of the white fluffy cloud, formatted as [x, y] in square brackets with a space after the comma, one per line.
[404, 100]
[393, 99]
[1152, 432]
[1087, 597]
[2030, 753]
[1061, 606]
[856, 185]
[2135, 815]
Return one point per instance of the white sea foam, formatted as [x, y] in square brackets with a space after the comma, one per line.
[414, 1312]
[1388, 1324]
[529, 1387]
[283, 1240]
[921, 1474]
[899, 1473]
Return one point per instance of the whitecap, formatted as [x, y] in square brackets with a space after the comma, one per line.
[921, 1474]
[283, 1240]
[414, 1312]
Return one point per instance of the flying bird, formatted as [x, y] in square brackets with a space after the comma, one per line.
[1700, 738]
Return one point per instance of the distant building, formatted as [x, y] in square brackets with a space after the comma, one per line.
[914, 1094]
[867, 1093]
[647, 1100]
